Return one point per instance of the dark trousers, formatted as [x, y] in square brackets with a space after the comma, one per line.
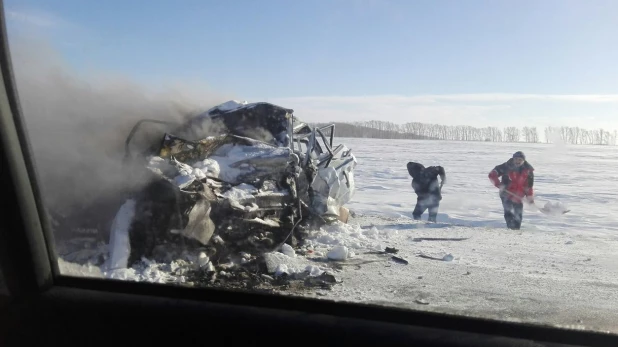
[513, 213]
[431, 202]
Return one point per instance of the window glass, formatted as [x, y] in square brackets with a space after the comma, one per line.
[472, 168]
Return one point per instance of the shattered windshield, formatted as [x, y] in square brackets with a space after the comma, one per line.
[454, 157]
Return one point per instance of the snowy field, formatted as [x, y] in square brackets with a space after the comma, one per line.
[560, 270]
[556, 270]
[584, 178]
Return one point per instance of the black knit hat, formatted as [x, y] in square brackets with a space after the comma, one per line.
[519, 154]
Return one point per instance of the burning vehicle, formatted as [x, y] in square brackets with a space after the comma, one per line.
[240, 177]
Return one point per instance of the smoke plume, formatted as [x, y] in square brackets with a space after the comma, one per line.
[77, 125]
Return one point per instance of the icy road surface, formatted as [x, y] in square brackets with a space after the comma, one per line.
[560, 270]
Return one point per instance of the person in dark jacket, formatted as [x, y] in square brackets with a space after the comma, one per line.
[514, 179]
[427, 189]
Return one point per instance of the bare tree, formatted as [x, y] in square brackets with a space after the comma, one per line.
[534, 135]
[511, 134]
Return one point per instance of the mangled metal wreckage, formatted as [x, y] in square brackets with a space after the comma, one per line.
[237, 177]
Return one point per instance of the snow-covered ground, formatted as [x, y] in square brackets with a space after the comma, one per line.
[584, 178]
[556, 270]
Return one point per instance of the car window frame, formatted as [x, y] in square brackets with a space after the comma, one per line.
[29, 262]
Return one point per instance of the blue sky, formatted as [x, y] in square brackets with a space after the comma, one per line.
[492, 62]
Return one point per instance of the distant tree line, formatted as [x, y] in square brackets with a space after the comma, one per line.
[579, 136]
[417, 130]
[376, 131]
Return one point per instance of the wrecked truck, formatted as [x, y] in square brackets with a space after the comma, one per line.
[238, 177]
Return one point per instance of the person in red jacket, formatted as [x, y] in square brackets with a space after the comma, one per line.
[515, 179]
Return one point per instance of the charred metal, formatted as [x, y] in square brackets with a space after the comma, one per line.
[238, 177]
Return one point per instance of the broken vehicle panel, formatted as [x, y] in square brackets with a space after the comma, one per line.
[236, 177]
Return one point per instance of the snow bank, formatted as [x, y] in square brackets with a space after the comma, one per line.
[279, 264]
[348, 235]
[338, 253]
[77, 270]
[154, 272]
[151, 273]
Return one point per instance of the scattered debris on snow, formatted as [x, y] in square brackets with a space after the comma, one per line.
[340, 234]
[314, 270]
[391, 250]
[447, 257]
[420, 239]
[338, 253]
[288, 250]
[399, 260]
[421, 302]
[279, 263]
[324, 281]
